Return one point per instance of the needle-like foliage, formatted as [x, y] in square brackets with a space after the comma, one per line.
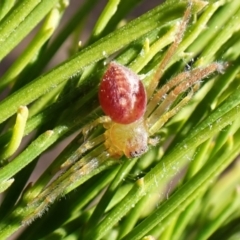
[186, 186]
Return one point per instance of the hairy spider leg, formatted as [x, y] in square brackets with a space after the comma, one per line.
[167, 115]
[194, 76]
[170, 52]
[75, 170]
[41, 203]
[180, 83]
[164, 90]
[47, 197]
[87, 145]
[78, 166]
[101, 120]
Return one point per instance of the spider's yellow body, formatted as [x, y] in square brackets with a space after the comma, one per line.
[130, 140]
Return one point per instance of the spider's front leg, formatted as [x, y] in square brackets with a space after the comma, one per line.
[192, 81]
[59, 186]
[105, 120]
[88, 143]
[170, 52]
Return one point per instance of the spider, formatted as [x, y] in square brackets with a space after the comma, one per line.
[133, 116]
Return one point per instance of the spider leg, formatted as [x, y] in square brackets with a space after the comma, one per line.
[87, 145]
[195, 75]
[164, 118]
[101, 120]
[80, 166]
[164, 90]
[170, 52]
[58, 187]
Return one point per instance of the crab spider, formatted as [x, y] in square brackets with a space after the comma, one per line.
[133, 116]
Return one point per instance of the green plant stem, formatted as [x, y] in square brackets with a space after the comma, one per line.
[222, 36]
[16, 17]
[5, 6]
[102, 205]
[211, 227]
[190, 191]
[32, 51]
[199, 159]
[166, 234]
[225, 189]
[78, 17]
[48, 114]
[218, 22]
[105, 17]
[119, 17]
[17, 133]
[22, 19]
[6, 184]
[223, 137]
[133, 217]
[25, 158]
[184, 219]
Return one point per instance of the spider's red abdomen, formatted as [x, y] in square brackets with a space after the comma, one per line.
[122, 95]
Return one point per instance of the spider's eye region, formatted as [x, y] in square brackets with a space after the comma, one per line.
[138, 153]
[122, 95]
